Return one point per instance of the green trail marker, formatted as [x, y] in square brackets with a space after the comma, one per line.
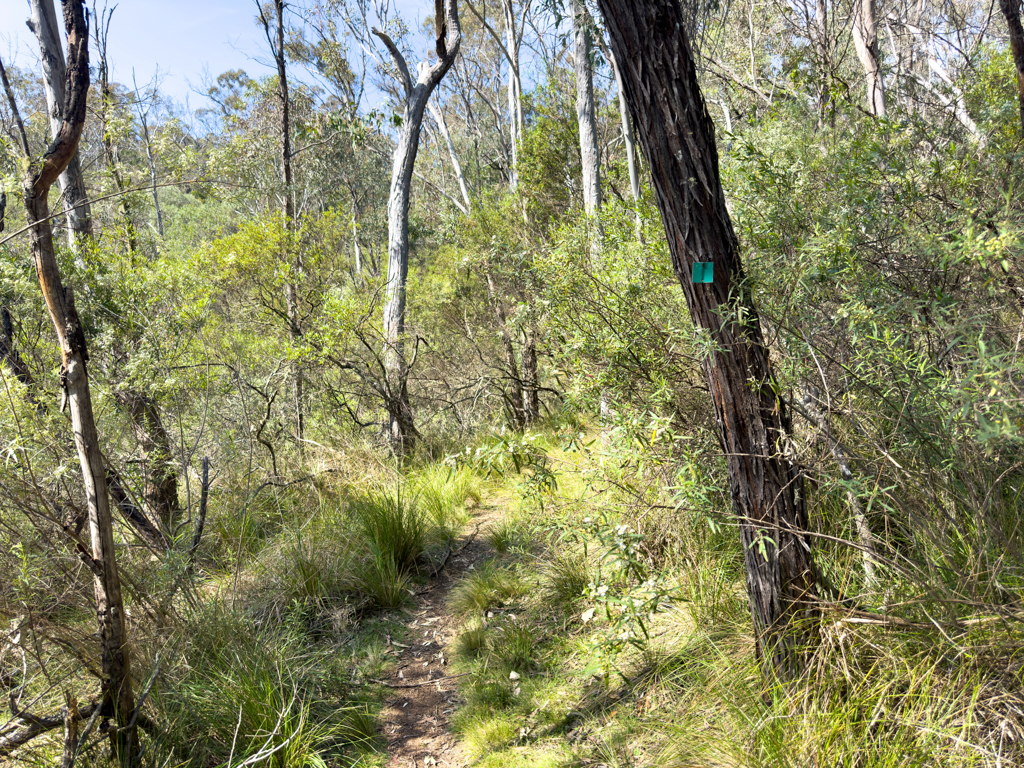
[704, 272]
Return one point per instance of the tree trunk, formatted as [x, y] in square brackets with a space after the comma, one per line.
[513, 392]
[865, 39]
[531, 378]
[510, 47]
[43, 23]
[110, 150]
[515, 88]
[276, 40]
[442, 126]
[161, 482]
[150, 157]
[118, 698]
[585, 111]
[677, 136]
[628, 140]
[1011, 12]
[448, 34]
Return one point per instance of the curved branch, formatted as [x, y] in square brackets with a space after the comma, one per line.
[398, 58]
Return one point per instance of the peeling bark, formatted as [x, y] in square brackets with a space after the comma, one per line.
[865, 40]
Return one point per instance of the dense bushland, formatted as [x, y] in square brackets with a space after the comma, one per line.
[555, 379]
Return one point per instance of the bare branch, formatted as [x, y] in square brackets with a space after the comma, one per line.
[398, 58]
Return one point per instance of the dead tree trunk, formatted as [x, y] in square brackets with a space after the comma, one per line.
[43, 24]
[865, 39]
[677, 135]
[448, 34]
[1011, 12]
[118, 698]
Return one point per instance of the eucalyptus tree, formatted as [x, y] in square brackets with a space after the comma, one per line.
[414, 95]
[274, 32]
[865, 39]
[1011, 13]
[510, 48]
[39, 174]
[586, 118]
[677, 135]
[77, 209]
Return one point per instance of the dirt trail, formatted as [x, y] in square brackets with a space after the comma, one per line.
[415, 720]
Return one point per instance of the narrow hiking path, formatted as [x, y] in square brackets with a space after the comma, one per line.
[422, 696]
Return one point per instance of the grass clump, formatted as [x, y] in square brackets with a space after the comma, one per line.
[393, 526]
[471, 642]
[242, 694]
[504, 535]
[485, 589]
[444, 494]
[566, 577]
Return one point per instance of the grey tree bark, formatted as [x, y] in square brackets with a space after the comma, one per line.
[448, 37]
[40, 174]
[628, 139]
[510, 46]
[865, 39]
[585, 110]
[677, 135]
[442, 126]
[43, 24]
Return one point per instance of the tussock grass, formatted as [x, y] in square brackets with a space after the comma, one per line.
[243, 693]
[393, 526]
[444, 494]
[487, 588]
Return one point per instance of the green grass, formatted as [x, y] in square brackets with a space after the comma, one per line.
[486, 588]
[394, 526]
[444, 494]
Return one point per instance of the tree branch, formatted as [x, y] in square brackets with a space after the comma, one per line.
[398, 58]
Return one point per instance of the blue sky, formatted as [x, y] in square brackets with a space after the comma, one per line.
[182, 37]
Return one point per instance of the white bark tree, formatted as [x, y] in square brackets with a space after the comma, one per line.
[510, 47]
[585, 110]
[448, 35]
[865, 39]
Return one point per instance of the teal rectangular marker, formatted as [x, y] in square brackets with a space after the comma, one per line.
[703, 272]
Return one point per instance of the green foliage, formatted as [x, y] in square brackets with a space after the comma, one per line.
[394, 527]
[485, 588]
